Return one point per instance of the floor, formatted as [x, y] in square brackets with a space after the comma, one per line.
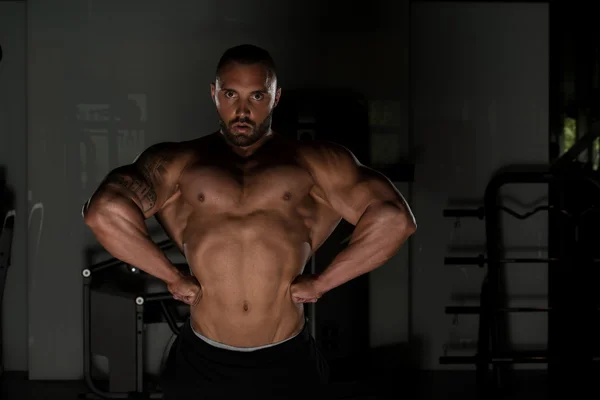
[419, 385]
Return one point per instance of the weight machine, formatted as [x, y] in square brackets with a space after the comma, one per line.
[573, 265]
[122, 301]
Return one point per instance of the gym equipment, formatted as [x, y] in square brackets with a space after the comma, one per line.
[480, 260]
[6, 237]
[480, 212]
[116, 298]
[566, 210]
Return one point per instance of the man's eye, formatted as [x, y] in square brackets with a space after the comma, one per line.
[258, 96]
[229, 94]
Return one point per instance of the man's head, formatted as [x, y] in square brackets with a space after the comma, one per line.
[245, 93]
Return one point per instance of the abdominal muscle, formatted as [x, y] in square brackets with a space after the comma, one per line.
[245, 266]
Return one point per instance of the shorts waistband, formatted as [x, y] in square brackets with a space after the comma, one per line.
[224, 346]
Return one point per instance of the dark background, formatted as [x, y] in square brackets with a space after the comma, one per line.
[437, 95]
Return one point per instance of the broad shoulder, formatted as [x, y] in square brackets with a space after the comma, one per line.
[167, 155]
[169, 150]
[178, 151]
[321, 156]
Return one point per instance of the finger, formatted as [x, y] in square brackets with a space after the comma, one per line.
[193, 300]
[197, 299]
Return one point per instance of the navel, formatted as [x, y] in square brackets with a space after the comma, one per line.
[287, 196]
[246, 306]
[201, 197]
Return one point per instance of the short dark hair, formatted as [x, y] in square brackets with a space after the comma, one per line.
[247, 54]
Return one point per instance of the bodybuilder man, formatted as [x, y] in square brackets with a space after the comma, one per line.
[248, 208]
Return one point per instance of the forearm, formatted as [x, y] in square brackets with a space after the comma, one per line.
[119, 226]
[377, 237]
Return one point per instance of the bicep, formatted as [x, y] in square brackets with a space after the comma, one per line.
[128, 181]
[150, 180]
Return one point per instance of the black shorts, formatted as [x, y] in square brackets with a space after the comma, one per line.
[197, 369]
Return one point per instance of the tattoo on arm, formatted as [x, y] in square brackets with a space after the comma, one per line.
[142, 190]
[145, 177]
[154, 169]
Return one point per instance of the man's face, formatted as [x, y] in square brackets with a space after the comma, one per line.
[245, 96]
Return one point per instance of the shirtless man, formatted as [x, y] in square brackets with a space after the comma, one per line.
[248, 208]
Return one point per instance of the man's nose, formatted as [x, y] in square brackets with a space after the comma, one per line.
[242, 109]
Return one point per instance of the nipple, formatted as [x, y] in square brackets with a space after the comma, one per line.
[287, 196]
[246, 306]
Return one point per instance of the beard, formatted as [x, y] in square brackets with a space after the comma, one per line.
[256, 132]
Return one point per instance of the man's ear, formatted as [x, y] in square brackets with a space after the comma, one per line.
[212, 92]
[277, 96]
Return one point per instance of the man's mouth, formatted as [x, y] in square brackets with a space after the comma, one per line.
[241, 127]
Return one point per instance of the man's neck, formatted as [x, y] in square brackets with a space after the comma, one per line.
[253, 148]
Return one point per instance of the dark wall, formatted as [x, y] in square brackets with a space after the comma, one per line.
[153, 64]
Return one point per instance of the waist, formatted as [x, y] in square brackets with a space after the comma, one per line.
[225, 346]
[198, 350]
[258, 325]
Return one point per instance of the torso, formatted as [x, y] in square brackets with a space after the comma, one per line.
[247, 227]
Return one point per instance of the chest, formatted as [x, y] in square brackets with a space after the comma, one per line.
[249, 183]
